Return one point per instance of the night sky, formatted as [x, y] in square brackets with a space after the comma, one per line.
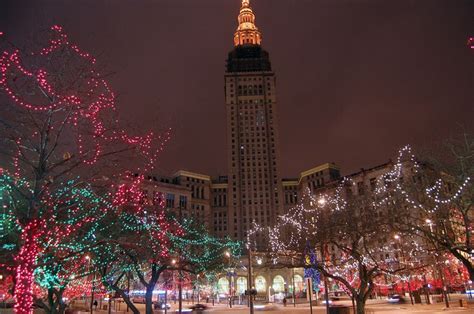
[356, 79]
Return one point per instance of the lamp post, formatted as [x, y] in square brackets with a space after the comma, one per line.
[440, 271]
[91, 306]
[180, 288]
[293, 279]
[249, 281]
[402, 260]
[322, 203]
[229, 273]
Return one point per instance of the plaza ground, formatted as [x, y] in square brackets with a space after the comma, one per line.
[373, 306]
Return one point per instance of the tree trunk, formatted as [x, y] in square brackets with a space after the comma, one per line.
[25, 261]
[360, 305]
[149, 299]
[465, 261]
[55, 301]
[60, 305]
[150, 286]
[130, 304]
[51, 305]
[125, 296]
[470, 270]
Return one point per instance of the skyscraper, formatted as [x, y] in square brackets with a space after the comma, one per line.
[254, 181]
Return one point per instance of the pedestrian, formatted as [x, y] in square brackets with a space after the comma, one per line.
[95, 304]
[284, 301]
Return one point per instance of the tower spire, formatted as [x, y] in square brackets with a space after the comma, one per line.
[247, 33]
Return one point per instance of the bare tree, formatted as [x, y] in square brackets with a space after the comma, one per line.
[58, 125]
[436, 201]
[353, 234]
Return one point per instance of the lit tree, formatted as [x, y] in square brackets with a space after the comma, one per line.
[436, 202]
[353, 234]
[60, 135]
[151, 244]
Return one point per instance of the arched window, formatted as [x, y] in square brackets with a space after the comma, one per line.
[260, 284]
[223, 285]
[241, 285]
[299, 284]
[278, 284]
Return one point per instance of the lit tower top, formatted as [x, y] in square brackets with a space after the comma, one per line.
[247, 33]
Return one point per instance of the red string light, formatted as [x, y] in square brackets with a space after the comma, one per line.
[93, 133]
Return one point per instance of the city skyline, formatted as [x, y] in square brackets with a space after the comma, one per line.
[352, 106]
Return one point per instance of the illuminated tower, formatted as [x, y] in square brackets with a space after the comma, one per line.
[254, 182]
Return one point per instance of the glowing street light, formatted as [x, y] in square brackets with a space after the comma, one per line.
[322, 201]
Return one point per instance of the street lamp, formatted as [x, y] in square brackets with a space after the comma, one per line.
[198, 288]
[229, 272]
[180, 285]
[444, 292]
[402, 259]
[430, 223]
[322, 201]
[89, 266]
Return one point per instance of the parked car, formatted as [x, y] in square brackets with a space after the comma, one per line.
[7, 303]
[395, 298]
[161, 305]
[140, 300]
[199, 307]
[265, 307]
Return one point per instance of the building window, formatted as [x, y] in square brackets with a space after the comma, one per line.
[261, 284]
[169, 200]
[182, 201]
[373, 184]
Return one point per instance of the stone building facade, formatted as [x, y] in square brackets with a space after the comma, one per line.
[252, 190]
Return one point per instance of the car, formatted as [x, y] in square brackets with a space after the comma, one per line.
[199, 307]
[139, 300]
[264, 307]
[395, 298]
[160, 305]
[7, 303]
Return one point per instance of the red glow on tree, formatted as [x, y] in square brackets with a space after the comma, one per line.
[85, 108]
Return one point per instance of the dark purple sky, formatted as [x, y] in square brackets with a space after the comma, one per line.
[357, 79]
